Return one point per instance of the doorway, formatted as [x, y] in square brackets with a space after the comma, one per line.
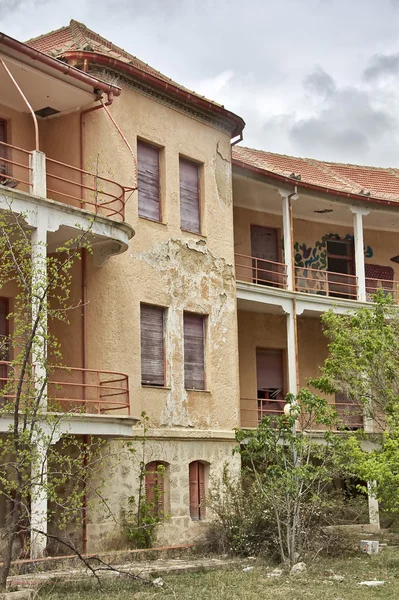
[265, 256]
[341, 269]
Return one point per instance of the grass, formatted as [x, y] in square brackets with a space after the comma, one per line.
[234, 584]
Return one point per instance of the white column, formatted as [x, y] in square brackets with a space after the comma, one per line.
[358, 213]
[291, 352]
[39, 354]
[374, 514]
[38, 174]
[287, 241]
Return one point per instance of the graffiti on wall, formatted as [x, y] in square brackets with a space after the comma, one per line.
[315, 257]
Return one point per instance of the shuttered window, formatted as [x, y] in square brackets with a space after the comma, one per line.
[155, 487]
[189, 196]
[148, 181]
[197, 490]
[194, 351]
[152, 345]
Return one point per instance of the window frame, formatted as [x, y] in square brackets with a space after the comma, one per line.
[204, 319]
[144, 142]
[164, 316]
[197, 492]
[199, 167]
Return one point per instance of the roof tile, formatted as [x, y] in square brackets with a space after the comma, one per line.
[376, 182]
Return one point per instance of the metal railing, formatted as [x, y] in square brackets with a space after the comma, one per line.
[87, 190]
[350, 413]
[15, 169]
[388, 286]
[254, 409]
[260, 271]
[325, 283]
[72, 389]
[65, 183]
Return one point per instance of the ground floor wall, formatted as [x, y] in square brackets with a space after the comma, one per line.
[176, 450]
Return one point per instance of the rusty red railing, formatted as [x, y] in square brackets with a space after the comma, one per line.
[388, 286]
[65, 183]
[15, 169]
[72, 389]
[325, 283]
[87, 190]
[254, 409]
[260, 271]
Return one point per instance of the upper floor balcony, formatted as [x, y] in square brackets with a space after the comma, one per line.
[46, 171]
[307, 248]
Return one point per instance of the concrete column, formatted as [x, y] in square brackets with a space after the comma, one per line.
[38, 174]
[291, 352]
[288, 242]
[374, 514]
[358, 213]
[39, 355]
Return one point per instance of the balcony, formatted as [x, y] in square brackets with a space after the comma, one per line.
[88, 400]
[72, 196]
[253, 410]
[270, 280]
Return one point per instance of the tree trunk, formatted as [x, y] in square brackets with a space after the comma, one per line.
[11, 533]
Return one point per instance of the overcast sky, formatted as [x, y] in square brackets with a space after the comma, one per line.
[316, 78]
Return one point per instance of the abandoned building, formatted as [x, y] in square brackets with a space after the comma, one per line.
[211, 262]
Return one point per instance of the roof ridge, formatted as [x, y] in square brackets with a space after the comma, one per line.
[78, 35]
[325, 168]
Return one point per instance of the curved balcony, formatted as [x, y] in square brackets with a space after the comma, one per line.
[76, 390]
[71, 196]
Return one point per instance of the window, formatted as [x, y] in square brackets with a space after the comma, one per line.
[152, 345]
[340, 267]
[155, 486]
[189, 196]
[269, 374]
[197, 490]
[148, 181]
[194, 351]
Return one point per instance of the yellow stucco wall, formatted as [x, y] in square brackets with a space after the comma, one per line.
[167, 267]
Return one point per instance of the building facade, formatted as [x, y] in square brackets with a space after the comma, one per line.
[200, 304]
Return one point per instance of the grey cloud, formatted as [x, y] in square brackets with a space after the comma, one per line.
[319, 82]
[382, 65]
[347, 125]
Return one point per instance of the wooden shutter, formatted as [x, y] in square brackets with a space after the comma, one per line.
[148, 181]
[197, 490]
[201, 490]
[194, 352]
[189, 196]
[264, 242]
[194, 491]
[269, 369]
[152, 345]
[153, 480]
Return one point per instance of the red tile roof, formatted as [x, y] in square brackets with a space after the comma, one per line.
[368, 182]
[76, 37]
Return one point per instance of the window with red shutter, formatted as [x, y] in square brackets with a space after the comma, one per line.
[194, 351]
[148, 181]
[152, 345]
[197, 490]
[189, 196]
[155, 486]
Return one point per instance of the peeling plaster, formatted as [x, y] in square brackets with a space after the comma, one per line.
[195, 280]
[221, 168]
